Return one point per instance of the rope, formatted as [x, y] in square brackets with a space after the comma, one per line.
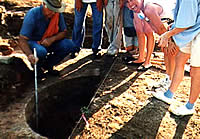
[93, 98]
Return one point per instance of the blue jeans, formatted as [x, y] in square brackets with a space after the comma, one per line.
[129, 28]
[130, 35]
[52, 55]
[79, 26]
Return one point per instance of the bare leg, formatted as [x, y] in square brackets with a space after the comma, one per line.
[195, 82]
[141, 39]
[166, 60]
[141, 46]
[171, 66]
[150, 43]
[181, 59]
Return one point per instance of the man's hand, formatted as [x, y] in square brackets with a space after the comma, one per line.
[172, 48]
[47, 42]
[163, 40]
[78, 5]
[121, 4]
[105, 2]
[99, 5]
[32, 59]
[163, 43]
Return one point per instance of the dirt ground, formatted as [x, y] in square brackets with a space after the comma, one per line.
[122, 107]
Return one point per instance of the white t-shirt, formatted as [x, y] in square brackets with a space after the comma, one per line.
[89, 1]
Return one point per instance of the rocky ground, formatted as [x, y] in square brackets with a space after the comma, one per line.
[121, 106]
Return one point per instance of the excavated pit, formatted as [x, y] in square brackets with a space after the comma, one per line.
[60, 106]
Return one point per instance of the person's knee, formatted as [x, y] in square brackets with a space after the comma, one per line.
[181, 58]
[41, 53]
[78, 22]
[149, 33]
[179, 62]
[140, 33]
[68, 46]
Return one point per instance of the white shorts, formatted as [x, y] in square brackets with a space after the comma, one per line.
[193, 48]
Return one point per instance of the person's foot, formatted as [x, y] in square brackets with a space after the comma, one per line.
[160, 95]
[162, 85]
[53, 72]
[112, 51]
[40, 74]
[144, 67]
[96, 56]
[139, 61]
[182, 110]
[131, 63]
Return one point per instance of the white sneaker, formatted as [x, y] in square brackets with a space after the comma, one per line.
[161, 89]
[112, 51]
[160, 95]
[163, 83]
[182, 110]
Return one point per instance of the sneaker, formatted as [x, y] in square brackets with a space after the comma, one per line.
[160, 95]
[182, 110]
[164, 84]
[161, 89]
[53, 72]
[112, 51]
[164, 81]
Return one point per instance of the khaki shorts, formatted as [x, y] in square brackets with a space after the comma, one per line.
[193, 48]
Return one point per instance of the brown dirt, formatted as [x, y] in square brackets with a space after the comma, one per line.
[121, 107]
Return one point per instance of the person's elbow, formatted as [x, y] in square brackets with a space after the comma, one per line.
[22, 39]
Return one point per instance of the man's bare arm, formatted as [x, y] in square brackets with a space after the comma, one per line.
[49, 41]
[23, 44]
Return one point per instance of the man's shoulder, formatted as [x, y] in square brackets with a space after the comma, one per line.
[34, 14]
[35, 11]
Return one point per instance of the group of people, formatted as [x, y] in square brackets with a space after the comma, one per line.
[44, 28]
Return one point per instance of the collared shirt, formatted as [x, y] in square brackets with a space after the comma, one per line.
[186, 14]
[89, 1]
[35, 24]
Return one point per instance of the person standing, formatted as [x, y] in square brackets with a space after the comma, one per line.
[79, 24]
[113, 24]
[185, 33]
[130, 36]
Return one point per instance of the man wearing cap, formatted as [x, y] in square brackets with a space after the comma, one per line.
[44, 28]
[79, 21]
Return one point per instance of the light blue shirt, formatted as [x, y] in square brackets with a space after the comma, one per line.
[186, 14]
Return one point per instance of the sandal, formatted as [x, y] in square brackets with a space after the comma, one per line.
[132, 63]
[143, 68]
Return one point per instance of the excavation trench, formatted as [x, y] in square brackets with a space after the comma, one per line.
[59, 106]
